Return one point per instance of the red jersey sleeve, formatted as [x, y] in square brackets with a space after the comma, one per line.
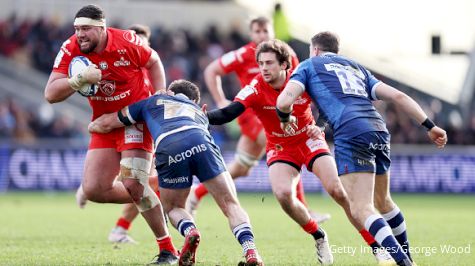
[64, 56]
[232, 61]
[144, 53]
[248, 95]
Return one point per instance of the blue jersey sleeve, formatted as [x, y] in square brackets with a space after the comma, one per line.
[135, 110]
[371, 81]
[301, 74]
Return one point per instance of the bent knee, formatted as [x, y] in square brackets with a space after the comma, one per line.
[284, 195]
[135, 189]
[338, 194]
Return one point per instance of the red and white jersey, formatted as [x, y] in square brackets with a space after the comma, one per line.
[261, 97]
[121, 62]
[243, 62]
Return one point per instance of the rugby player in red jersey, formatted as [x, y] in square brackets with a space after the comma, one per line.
[251, 145]
[118, 57]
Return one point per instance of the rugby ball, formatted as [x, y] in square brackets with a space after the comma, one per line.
[77, 65]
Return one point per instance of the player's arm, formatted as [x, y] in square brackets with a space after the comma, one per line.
[157, 72]
[59, 87]
[284, 105]
[413, 109]
[212, 75]
[226, 114]
[105, 123]
[287, 98]
[108, 122]
[125, 117]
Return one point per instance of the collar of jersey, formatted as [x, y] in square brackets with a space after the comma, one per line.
[181, 95]
[327, 54]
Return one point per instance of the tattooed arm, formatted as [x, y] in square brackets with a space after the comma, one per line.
[286, 99]
[288, 96]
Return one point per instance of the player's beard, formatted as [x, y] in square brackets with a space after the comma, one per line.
[269, 78]
[90, 48]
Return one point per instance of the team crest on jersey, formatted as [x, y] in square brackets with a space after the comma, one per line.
[121, 62]
[103, 65]
[107, 87]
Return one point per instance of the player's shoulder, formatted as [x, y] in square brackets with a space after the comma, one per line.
[257, 83]
[250, 46]
[70, 46]
[124, 37]
[249, 50]
[68, 50]
[253, 88]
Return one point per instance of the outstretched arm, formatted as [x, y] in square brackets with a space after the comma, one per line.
[107, 122]
[413, 109]
[226, 114]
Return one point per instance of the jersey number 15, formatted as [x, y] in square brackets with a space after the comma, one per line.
[351, 83]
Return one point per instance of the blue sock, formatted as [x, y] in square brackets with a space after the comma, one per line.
[184, 226]
[381, 231]
[396, 221]
[244, 235]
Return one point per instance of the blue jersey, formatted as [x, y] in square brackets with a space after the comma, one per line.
[166, 115]
[184, 146]
[343, 91]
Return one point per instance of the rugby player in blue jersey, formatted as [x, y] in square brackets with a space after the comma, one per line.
[343, 91]
[184, 147]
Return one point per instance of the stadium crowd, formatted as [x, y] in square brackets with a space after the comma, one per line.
[184, 54]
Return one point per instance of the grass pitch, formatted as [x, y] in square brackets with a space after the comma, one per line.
[48, 229]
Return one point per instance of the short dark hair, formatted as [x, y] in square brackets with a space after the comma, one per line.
[261, 21]
[90, 11]
[279, 48]
[187, 88]
[141, 30]
[326, 41]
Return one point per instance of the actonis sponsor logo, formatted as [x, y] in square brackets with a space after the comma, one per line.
[186, 154]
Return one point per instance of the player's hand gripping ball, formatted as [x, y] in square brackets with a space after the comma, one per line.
[84, 76]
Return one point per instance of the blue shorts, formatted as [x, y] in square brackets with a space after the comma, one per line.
[368, 152]
[181, 155]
